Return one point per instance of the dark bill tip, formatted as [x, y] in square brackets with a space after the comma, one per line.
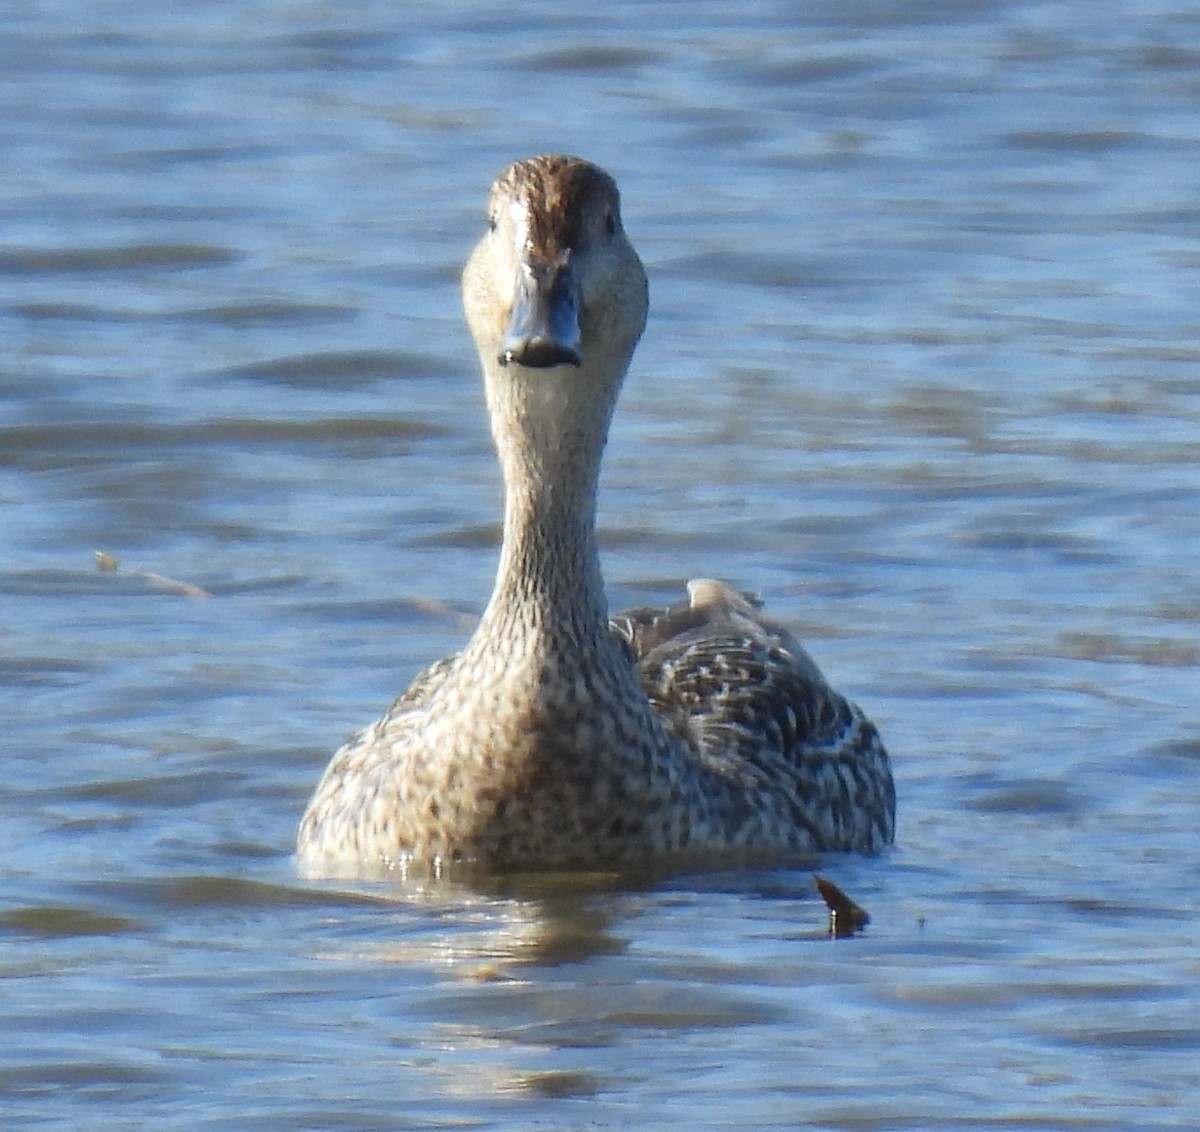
[540, 353]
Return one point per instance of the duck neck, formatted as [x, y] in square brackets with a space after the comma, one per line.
[550, 429]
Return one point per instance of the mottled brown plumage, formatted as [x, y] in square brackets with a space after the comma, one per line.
[556, 736]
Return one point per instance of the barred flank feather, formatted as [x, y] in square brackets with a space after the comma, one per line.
[743, 696]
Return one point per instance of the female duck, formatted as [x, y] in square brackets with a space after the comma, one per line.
[558, 736]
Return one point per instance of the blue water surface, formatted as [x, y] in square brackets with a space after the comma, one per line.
[923, 369]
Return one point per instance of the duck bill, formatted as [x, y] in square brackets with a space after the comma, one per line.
[543, 329]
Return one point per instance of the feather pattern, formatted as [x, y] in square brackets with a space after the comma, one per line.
[740, 692]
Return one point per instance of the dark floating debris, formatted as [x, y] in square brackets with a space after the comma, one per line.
[845, 917]
[107, 564]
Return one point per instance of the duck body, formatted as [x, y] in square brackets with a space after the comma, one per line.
[558, 737]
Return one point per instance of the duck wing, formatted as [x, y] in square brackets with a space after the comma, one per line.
[740, 692]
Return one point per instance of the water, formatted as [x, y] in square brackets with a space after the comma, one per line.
[922, 369]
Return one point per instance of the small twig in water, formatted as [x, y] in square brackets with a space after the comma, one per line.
[108, 564]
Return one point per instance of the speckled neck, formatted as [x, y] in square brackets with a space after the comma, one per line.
[550, 429]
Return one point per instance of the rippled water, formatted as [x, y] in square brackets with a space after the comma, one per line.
[923, 369]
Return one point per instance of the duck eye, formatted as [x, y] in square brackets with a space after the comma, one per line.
[610, 223]
[492, 221]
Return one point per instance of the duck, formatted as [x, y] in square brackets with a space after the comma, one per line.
[561, 736]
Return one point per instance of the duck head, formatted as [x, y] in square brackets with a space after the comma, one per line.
[554, 281]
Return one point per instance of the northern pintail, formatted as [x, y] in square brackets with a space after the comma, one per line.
[561, 736]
